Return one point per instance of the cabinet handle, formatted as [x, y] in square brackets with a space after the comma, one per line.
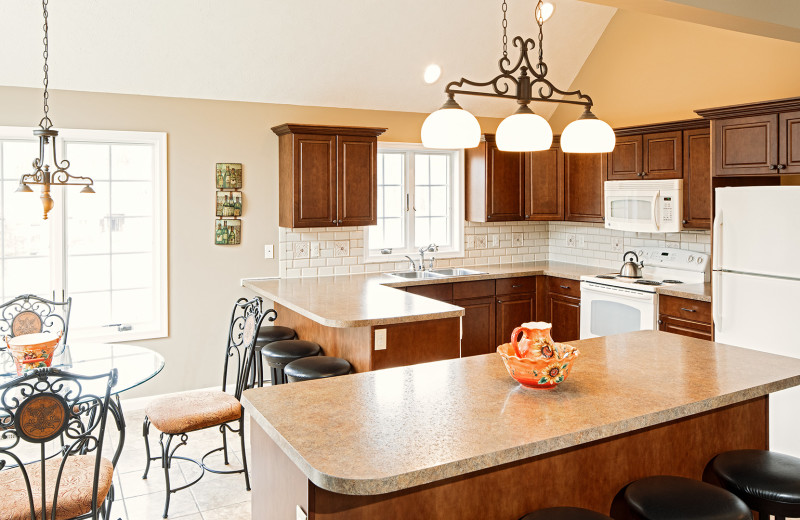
[773, 166]
[688, 310]
[527, 216]
[488, 217]
[685, 222]
[660, 322]
[516, 286]
[781, 166]
[564, 286]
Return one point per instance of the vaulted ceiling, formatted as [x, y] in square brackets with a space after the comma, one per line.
[345, 53]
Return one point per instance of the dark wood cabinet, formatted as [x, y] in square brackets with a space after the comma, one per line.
[625, 161]
[746, 145]
[439, 291]
[685, 317]
[512, 311]
[789, 150]
[495, 179]
[697, 179]
[327, 175]
[584, 174]
[662, 155]
[477, 326]
[544, 185]
[560, 304]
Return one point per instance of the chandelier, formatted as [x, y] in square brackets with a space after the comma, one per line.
[453, 127]
[41, 174]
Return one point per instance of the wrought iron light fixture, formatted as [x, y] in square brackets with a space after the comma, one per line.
[453, 127]
[41, 174]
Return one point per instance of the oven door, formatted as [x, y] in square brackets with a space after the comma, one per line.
[633, 210]
[607, 310]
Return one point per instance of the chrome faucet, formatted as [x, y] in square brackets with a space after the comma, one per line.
[432, 248]
[413, 265]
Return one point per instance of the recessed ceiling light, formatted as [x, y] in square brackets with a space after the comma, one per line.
[547, 10]
[432, 73]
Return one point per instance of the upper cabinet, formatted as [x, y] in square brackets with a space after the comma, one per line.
[755, 139]
[544, 184]
[327, 175]
[697, 181]
[647, 156]
[495, 180]
[625, 162]
[584, 174]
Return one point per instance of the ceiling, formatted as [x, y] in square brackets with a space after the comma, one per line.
[346, 53]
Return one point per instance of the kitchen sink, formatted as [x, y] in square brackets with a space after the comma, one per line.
[456, 271]
[418, 275]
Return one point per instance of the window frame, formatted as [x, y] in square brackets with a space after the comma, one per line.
[456, 204]
[159, 327]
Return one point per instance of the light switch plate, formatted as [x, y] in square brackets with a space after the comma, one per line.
[571, 240]
[495, 240]
[580, 241]
[314, 249]
[616, 244]
[300, 514]
[380, 339]
[268, 252]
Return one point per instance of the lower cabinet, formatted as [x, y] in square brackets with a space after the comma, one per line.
[512, 311]
[477, 326]
[565, 315]
[685, 317]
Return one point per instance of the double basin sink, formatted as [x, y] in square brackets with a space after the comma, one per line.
[447, 272]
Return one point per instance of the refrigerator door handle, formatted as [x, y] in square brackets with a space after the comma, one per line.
[716, 246]
[717, 301]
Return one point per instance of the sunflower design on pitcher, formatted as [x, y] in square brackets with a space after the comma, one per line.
[532, 340]
[553, 374]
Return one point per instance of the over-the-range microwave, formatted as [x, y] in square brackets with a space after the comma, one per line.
[649, 206]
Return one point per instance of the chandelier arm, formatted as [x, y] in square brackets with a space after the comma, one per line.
[494, 82]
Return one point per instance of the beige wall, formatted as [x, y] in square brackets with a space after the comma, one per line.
[646, 69]
[204, 278]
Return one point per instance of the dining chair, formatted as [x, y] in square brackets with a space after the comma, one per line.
[31, 314]
[177, 415]
[75, 482]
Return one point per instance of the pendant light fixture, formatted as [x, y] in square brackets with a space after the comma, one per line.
[453, 127]
[41, 174]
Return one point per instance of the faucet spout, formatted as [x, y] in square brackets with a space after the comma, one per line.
[413, 265]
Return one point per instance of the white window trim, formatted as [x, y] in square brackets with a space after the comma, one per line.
[160, 230]
[455, 251]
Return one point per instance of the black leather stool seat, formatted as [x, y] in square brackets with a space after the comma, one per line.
[565, 513]
[678, 498]
[767, 481]
[280, 353]
[268, 334]
[318, 367]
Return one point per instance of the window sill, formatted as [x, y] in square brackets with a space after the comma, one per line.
[87, 336]
[400, 257]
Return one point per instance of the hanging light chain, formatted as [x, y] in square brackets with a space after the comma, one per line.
[540, 22]
[45, 123]
[505, 30]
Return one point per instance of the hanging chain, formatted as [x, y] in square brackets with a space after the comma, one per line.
[505, 27]
[540, 22]
[45, 123]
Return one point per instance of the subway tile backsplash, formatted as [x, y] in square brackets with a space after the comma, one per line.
[329, 251]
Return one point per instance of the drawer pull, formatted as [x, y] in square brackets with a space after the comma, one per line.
[688, 310]
[564, 286]
[516, 286]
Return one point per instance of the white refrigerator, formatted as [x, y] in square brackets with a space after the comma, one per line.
[756, 284]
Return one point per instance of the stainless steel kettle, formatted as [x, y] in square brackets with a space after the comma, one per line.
[631, 269]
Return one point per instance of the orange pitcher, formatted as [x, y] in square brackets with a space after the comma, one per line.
[535, 340]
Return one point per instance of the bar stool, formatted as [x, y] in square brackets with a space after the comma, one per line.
[677, 498]
[266, 335]
[280, 353]
[318, 367]
[565, 513]
[767, 481]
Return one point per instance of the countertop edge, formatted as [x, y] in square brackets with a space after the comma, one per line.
[380, 486]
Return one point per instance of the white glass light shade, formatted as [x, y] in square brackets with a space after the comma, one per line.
[588, 135]
[524, 132]
[451, 128]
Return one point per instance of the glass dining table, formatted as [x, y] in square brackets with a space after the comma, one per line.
[135, 365]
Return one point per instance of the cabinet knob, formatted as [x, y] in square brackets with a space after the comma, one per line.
[527, 216]
[684, 221]
[781, 166]
[773, 166]
[488, 217]
[660, 322]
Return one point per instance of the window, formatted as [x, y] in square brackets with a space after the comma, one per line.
[418, 201]
[107, 250]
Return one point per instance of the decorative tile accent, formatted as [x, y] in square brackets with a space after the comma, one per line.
[301, 250]
[480, 242]
[516, 239]
[341, 248]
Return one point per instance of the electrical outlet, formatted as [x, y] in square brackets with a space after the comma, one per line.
[314, 249]
[470, 241]
[268, 252]
[580, 241]
[495, 240]
[516, 240]
[480, 241]
[616, 244]
[571, 240]
[380, 339]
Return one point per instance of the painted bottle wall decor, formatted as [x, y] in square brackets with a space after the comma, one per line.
[229, 176]
[228, 232]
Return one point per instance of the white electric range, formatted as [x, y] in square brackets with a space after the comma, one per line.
[612, 304]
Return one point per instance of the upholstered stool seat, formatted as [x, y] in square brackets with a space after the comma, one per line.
[318, 367]
[192, 411]
[278, 354]
[678, 498]
[767, 481]
[268, 334]
[74, 490]
[565, 513]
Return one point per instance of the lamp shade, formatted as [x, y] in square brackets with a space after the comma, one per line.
[451, 127]
[524, 131]
[588, 135]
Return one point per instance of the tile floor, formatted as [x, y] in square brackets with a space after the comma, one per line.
[215, 497]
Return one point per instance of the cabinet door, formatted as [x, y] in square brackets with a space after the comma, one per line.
[584, 174]
[745, 145]
[511, 312]
[663, 155]
[565, 315]
[477, 326]
[357, 185]
[439, 291]
[505, 196]
[544, 185]
[697, 179]
[693, 329]
[625, 161]
[314, 180]
[790, 143]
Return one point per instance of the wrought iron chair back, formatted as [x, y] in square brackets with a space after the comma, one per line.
[246, 318]
[29, 314]
[46, 404]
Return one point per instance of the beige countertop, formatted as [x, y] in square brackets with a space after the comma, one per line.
[693, 291]
[362, 300]
[388, 430]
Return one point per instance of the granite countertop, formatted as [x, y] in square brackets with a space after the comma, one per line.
[388, 430]
[363, 300]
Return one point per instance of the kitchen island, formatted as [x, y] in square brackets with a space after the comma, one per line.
[461, 439]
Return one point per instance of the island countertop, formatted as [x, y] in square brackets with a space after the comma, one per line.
[388, 430]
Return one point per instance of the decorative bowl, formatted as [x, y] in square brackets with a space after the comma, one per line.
[540, 372]
[32, 350]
